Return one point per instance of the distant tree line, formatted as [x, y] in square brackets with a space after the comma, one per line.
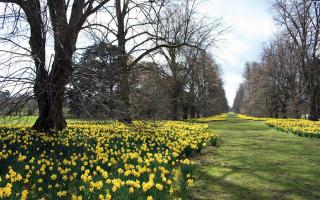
[195, 90]
[285, 82]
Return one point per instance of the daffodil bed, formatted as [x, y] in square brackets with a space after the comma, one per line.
[299, 127]
[246, 117]
[99, 161]
[221, 117]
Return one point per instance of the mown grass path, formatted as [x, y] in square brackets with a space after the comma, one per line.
[253, 161]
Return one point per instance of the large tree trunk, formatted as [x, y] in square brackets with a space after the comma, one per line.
[175, 99]
[49, 93]
[192, 111]
[50, 113]
[174, 107]
[124, 90]
[198, 113]
[318, 103]
[122, 62]
[192, 99]
[284, 110]
[124, 85]
[274, 107]
[313, 105]
[185, 111]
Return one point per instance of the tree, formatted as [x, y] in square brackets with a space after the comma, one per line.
[92, 91]
[301, 22]
[238, 102]
[140, 28]
[150, 99]
[273, 87]
[183, 27]
[132, 26]
[136, 29]
[64, 19]
[204, 88]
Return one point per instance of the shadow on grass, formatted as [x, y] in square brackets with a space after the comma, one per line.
[255, 176]
[214, 183]
[225, 186]
[253, 161]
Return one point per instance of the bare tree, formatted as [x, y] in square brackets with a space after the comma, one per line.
[63, 20]
[137, 29]
[287, 77]
[238, 102]
[140, 28]
[273, 86]
[203, 90]
[183, 27]
[301, 21]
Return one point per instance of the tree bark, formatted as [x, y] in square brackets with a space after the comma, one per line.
[50, 96]
[284, 110]
[313, 105]
[318, 103]
[192, 111]
[175, 86]
[174, 105]
[185, 111]
[122, 64]
[198, 113]
[50, 114]
[175, 97]
[124, 90]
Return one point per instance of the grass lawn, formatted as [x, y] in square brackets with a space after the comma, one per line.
[253, 161]
[30, 120]
[14, 120]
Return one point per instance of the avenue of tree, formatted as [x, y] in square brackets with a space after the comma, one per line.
[120, 59]
[285, 82]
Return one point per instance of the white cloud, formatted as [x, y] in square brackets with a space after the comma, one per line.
[251, 25]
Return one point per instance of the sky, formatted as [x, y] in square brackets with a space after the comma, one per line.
[251, 25]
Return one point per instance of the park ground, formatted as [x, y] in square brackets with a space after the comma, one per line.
[254, 161]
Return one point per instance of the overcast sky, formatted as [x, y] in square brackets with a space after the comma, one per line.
[251, 25]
